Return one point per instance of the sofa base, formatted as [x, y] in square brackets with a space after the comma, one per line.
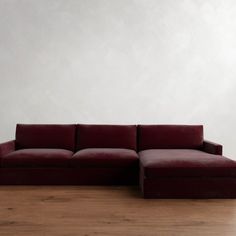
[68, 176]
[189, 187]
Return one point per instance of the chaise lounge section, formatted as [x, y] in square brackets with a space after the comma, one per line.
[175, 162]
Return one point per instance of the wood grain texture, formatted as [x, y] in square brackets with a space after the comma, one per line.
[118, 211]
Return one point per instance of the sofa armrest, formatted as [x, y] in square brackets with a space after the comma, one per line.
[7, 147]
[212, 148]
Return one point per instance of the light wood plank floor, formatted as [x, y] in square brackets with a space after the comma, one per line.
[118, 211]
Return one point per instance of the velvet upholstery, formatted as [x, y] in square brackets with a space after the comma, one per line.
[185, 163]
[45, 136]
[68, 176]
[105, 157]
[213, 148]
[7, 147]
[170, 136]
[106, 136]
[36, 176]
[37, 158]
[186, 187]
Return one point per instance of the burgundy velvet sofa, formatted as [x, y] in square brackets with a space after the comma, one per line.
[167, 161]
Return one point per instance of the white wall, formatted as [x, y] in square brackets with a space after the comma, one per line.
[119, 61]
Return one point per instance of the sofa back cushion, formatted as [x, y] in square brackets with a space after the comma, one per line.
[170, 136]
[106, 136]
[45, 136]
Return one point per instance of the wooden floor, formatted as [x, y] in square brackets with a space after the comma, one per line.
[89, 210]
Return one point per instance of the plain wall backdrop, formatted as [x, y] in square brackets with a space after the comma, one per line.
[119, 61]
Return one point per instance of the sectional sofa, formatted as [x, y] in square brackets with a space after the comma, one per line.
[167, 161]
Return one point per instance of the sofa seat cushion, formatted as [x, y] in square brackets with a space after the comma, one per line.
[104, 157]
[185, 163]
[37, 158]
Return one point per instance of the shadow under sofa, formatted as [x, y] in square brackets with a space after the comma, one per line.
[167, 161]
